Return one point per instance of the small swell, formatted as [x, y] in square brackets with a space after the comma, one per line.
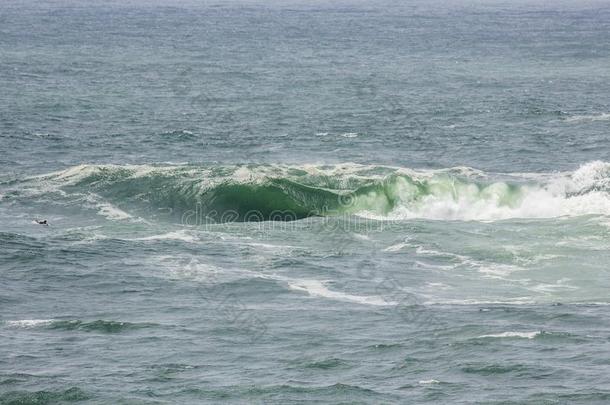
[44, 397]
[101, 326]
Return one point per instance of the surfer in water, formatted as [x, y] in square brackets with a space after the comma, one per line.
[41, 222]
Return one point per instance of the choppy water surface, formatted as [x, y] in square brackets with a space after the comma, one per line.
[356, 202]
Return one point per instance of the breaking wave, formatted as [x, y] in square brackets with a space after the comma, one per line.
[277, 192]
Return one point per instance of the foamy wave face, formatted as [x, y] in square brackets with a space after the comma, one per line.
[583, 192]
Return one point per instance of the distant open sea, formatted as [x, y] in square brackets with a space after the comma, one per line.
[355, 202]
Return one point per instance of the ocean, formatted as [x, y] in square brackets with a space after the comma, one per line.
[350, 201]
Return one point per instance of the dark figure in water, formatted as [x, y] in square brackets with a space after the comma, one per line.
[42, 222]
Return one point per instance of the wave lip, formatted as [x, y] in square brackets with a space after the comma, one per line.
[250, 193]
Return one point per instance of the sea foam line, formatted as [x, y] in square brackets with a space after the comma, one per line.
[28, 323]
[510, 334]
[317, 288]
[589, 117]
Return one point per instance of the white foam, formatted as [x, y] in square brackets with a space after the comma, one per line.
[176, 235]
[396, 247]
[427, 382]
[525, 335]
[243, 174]
[496, 270]
[111, 212]
[316, 288]
[187, 268]
[439, 286]
[75, 174]
[467, 302]
[420, 250]
[28, 323]
[560, 285]
[108, 210]
[198, 271]
[89, 239]
[271, 247]
[589, 117]
[434, 266]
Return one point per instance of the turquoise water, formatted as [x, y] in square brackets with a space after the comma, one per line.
[355, 202]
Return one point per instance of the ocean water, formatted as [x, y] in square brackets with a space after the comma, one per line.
[301, 201]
